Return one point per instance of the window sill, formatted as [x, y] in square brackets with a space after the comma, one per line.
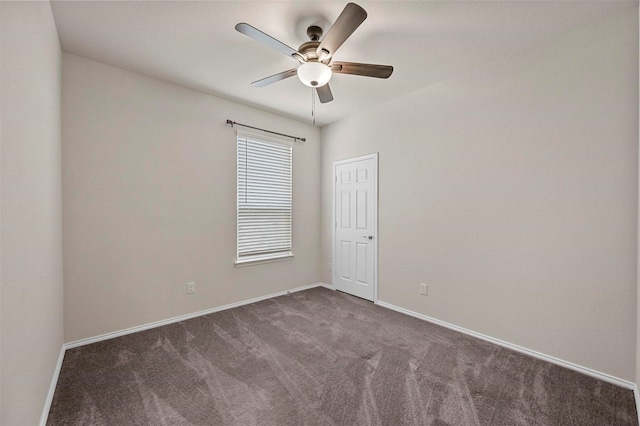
[258, 260]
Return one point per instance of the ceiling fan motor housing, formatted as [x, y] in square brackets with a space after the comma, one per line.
[308, 50]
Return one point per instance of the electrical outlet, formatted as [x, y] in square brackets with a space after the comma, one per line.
[191, 288]
[424, 289]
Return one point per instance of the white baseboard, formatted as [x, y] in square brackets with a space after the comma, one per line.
[160, 323]
[637, 397]
[52, 388]
[557, 361]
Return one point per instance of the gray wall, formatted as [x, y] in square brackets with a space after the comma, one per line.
[149, 201]
[31, 229]
[513, 191]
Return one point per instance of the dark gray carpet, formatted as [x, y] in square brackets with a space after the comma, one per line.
[320, 357]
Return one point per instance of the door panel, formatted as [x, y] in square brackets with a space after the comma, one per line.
[361, 263]
[345, 259]
[355, 243]
[345, 209]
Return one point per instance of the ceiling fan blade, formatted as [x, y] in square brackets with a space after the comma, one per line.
[350, 19]
[367, 70]
[265, 39]
[324, 94]
[276, 77]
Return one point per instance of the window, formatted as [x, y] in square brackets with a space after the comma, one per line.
[264, 198]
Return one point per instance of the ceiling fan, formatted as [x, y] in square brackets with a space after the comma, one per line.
[315, 69]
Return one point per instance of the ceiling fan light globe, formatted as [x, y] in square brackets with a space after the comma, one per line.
[314, 74]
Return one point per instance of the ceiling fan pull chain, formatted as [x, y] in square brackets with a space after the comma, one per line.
[313, 105]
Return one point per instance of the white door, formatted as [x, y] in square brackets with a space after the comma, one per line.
[355, 228]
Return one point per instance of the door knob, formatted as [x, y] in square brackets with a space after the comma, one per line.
[370, 237]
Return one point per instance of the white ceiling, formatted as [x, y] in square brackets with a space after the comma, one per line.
[194, 44]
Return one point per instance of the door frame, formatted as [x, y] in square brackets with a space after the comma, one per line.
[373, 156]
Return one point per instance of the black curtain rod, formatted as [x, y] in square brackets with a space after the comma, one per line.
[295, 138]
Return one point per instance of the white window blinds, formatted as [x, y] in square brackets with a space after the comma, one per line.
[264, 198]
